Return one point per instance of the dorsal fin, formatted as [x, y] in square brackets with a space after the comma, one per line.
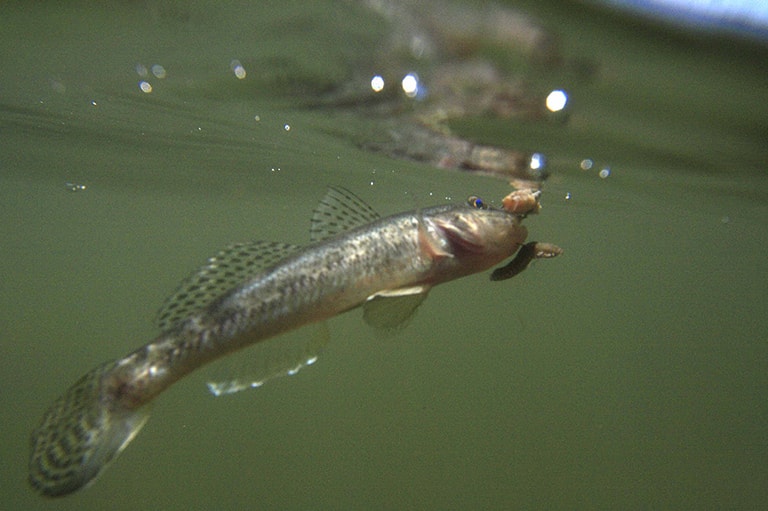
[228, 269]
[339, 211]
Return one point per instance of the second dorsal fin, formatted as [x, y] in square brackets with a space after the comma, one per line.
[339, 211]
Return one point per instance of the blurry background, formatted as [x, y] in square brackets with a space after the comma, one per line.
[137, 138]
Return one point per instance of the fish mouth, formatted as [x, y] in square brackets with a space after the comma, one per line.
[461, 238]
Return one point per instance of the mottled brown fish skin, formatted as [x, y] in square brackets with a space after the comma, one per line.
[97, 417]
[423, 248]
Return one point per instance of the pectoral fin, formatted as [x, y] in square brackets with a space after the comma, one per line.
[391, 309]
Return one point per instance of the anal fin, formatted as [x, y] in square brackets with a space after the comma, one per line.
[284, 355]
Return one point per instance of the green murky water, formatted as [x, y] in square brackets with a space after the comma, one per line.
[630, 373]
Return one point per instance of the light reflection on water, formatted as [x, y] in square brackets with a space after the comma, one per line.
[628, 371]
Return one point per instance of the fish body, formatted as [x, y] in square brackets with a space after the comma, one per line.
[397, 258]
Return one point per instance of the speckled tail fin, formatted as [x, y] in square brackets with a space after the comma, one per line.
[80, 434]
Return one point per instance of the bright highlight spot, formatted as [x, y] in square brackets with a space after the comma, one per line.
[287, 127]
[537, 161]
[410, 85]
[238, 69]
[377, 83]
[556, 100]
[605, 172]
[145, 86]
[74, 187]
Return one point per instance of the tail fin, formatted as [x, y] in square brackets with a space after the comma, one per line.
[80, 434]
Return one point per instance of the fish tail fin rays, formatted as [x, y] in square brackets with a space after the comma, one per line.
[80, 434]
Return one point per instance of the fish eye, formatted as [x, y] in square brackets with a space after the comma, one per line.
[476, 202]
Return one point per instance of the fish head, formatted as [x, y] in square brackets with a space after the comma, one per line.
[472, 237]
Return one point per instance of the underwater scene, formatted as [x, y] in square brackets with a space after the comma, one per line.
[383, 254]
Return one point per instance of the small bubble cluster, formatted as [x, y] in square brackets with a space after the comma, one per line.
[146, 74]
[588, 164]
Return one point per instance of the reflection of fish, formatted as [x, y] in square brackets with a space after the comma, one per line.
[257, 291]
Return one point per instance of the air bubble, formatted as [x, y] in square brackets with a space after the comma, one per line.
[556, 100]
[238, 69]
[377, 83]
[159, 71]
[74, 187]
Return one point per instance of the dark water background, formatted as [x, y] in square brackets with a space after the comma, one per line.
[632, 373]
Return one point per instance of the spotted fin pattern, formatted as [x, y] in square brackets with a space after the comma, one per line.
[226, 270]
[80, 435]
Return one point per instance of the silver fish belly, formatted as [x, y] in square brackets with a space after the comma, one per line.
[392, 258]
